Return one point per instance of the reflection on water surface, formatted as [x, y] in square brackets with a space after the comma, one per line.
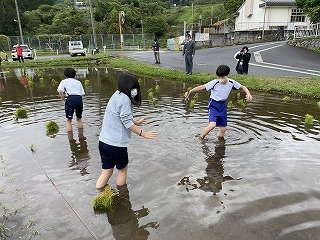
[262, 182]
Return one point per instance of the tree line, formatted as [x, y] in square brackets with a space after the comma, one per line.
[164, 18]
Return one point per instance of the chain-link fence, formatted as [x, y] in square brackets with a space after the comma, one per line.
[60, 42]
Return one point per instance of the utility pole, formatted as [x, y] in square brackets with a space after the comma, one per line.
[211, 16]
[143, 40]
[93, 25]
[192, 15]
[19, 22]
[121, 21]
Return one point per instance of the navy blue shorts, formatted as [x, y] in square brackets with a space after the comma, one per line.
[113, 156]
[218, 112]
[74, 102]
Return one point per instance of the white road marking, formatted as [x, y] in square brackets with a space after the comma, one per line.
[259, 59]
[285, 69]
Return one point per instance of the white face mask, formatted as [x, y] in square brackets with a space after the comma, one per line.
[134, 92]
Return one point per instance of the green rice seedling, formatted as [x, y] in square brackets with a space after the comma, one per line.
[140, 81]
[230, 104]
[308, 120]
[30, 83]
[242, 103]
[150, 90]
[41, 81]
[188, 89]
[150, 94]
[192, 103]
[104, 200]
[33, 148]
[21, 112]
[196, 96]
[286, 99]
[0, 100]
[157, 88]
[318, 103]
[87, 83]
[52, 128]
[54, 82]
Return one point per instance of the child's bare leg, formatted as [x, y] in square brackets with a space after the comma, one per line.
[69, 125]
[79, 122]
[207, 129]
[221, 132]
[104, 178]
[122, 176]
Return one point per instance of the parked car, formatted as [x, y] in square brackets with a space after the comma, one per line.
[26, 52]
[76, 48]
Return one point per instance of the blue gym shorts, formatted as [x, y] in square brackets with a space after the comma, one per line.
[113, 156]
[218, 112]
[73, 102]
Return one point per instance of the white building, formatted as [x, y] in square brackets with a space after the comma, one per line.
[264, 15]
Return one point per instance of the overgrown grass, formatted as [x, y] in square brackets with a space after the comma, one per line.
[56, 62]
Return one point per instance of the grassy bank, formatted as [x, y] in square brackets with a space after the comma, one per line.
[309, 87]
[58, 62]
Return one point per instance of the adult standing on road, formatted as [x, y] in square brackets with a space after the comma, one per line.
[19, 51]
[156, 49]
[188, 52]
[243, 58]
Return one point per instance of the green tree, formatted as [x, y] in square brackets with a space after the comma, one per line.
[8, 13]
[156, 25]
[311, 8]
[231, 6]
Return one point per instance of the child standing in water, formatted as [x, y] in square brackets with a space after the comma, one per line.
[118, 123]
[220, 89]
[74, 91]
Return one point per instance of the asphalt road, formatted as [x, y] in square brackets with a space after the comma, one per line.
[270, 59]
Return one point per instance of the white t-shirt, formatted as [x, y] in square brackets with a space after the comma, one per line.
[220, 91]
[71, 86]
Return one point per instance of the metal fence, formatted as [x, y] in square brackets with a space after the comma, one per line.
[60, 42]
[311, 31]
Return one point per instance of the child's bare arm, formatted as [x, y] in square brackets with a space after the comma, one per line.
[247, 92]
[140, 121]
[195, 89]
[146, 134]
[61, 94]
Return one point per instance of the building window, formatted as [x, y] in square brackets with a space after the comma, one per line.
[297, 15]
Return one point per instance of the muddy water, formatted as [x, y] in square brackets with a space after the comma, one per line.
[261, 182]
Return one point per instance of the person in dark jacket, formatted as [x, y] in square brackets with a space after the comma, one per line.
[188, 52]
[243, 58]
[156, 49]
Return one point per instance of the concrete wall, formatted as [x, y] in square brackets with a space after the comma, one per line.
[309, 43]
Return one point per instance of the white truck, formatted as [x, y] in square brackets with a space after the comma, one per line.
[76, 48]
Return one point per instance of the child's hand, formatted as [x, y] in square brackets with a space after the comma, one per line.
[248, 97]
[149, 134]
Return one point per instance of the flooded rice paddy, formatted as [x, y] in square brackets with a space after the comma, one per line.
[261, 182]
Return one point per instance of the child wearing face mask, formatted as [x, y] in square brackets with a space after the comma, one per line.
[118, 123]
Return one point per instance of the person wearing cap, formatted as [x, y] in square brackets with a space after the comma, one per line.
[19, 51]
